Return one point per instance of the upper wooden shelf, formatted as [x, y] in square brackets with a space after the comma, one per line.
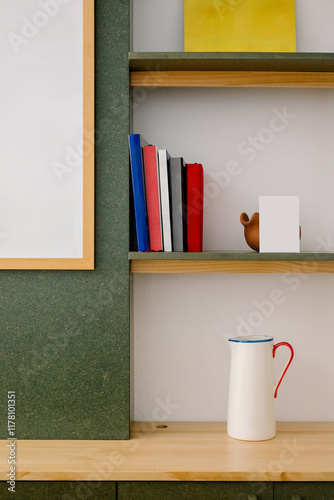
[230, 262]
[237, 69]
[181, 451]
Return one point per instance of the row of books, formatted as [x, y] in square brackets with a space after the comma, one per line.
[167, 199]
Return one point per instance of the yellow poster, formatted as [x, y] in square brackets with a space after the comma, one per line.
[239, 26]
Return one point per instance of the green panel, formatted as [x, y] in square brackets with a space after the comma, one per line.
[59, 490]
[231, 61]
[194, 490]
[304, 490]
[303, 256]
[65, 334]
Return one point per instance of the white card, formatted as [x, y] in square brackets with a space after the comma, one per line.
[279, 223]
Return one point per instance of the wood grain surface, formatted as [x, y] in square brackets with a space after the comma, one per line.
[181, 451]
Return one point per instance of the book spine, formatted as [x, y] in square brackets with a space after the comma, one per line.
[136, 162]
[178, 203]
[195, 184]
[163, 157]
[153, 197]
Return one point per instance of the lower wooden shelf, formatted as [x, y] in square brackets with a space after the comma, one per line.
[230, 262]
[181, 451]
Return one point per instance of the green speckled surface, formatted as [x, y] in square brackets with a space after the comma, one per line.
[59, 490]
[232, 61]
[254, 256]
[65, 334]
[194, 490]
[305, 490]
[106, 490]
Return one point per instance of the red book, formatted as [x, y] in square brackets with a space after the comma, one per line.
[151, 167]
[195, 184]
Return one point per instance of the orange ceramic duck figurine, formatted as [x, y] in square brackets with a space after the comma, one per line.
[252, 230]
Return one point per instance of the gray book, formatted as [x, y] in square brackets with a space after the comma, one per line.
[177, 183]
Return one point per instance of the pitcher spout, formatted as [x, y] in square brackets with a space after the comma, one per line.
[246, 221]
[251, 230]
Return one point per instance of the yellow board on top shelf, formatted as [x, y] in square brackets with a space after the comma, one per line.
[239, 26]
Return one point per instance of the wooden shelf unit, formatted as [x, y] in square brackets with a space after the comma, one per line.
[203, 451]
[217, 69]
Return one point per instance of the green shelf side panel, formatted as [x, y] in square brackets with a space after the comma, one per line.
[62, 490]
[65, 334]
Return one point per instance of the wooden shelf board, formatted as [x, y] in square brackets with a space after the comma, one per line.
[232, 61]
[183, 451]
[230, 262]
[232, 79]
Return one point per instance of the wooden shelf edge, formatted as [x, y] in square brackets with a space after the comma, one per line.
[232, 79]
[184, 475]
[181, 451]
[49, 264]
[229, 266]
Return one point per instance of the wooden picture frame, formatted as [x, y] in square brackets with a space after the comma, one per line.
[86, 261]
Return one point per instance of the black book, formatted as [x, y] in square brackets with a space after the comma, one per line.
[177, 190]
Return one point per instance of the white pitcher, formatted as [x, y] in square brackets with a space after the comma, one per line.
[252, 387]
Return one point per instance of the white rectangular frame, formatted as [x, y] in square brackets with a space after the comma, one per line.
[87, 259]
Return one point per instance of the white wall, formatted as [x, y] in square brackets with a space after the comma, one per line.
[182, 322]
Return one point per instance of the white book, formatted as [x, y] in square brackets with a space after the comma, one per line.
[165, 199]
[279, 223]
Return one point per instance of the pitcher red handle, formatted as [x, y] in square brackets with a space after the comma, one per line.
[287, 366]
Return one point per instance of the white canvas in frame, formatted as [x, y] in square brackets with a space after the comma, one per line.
[41, 129]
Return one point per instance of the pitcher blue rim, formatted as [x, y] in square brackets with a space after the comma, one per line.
[250, 339]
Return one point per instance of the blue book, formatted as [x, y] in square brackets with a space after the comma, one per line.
[136, 143]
